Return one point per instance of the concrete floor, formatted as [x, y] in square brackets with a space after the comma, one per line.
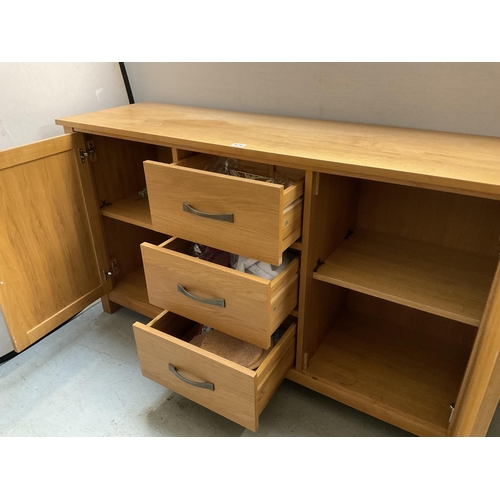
[84, 380]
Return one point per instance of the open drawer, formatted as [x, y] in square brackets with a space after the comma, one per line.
[239, 304]
[231, 390]
[247, 217]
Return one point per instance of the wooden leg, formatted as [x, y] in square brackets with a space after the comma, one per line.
[108, 306]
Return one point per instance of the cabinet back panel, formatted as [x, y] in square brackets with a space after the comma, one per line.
[123, 242]
[452, 220]
[439, 332]
[119, 171]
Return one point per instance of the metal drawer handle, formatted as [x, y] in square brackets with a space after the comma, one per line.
[211, 302]
[200, 385]
[224, 217]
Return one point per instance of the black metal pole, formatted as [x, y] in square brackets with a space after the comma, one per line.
[126, 82]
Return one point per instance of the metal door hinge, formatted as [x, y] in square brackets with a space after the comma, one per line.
[111, 272]
[452, 406]
[89, 153]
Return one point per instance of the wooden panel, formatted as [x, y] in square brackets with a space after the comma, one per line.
[441, 160]
[455, 221]
[330, 205]
[428, 277]
[36, 150]
[284, 301]
[118, 171]
[131, 292]
[124, 245]
[365, 405]
[257, 208]
[134, 210]
[292, 221]
[272, 371]
[48, 260]
[164, 154]
[252, 311]
[395, 370]
[234, 386]
[479, 397]
[124, 250]
[178, 154]
[293, 192]
[283, 279]
[108, 306]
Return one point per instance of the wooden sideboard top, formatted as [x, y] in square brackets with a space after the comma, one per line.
[463, 163]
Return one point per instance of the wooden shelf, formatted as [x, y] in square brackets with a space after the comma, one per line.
[133, 210]
[443, 281]
[391, 372]
[131, 292]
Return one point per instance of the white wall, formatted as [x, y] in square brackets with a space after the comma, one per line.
[455, 97]
[33, 95]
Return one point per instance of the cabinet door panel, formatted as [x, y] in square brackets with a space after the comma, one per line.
[480, 392]
[48, 262]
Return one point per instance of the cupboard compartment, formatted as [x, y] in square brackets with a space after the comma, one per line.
[430, 250]
[119, 180]
[123, 243]
[396, 363]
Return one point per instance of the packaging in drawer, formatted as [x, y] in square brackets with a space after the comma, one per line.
[242, 305]
[168, 356]
[237, 214]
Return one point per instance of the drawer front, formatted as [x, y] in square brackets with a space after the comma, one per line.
[239, 304]
[246, 217]
[230, 390]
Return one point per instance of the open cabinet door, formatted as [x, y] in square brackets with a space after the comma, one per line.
[51, 246]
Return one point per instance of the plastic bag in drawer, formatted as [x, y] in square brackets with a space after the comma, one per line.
[229, 166]
[211, 255]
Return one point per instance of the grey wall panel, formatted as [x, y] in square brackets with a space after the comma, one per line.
[454, 97]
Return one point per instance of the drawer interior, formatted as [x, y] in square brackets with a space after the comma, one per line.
[185, 247]
[181, 328]
[262, 172]
[175, 326]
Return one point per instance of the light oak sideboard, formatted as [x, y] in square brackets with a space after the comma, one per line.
[390, 302]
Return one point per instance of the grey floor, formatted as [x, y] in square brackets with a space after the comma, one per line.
[84, 380]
